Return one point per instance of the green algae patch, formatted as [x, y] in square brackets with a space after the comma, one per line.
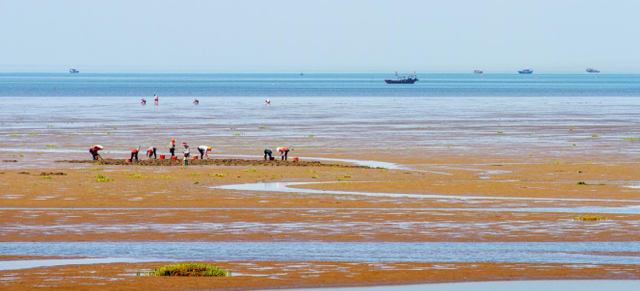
[102, 178]
[589, 218]
[187, 270]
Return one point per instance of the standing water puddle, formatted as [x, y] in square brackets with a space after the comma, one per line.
[284, 187]
[510, 252]
[27, 264]
[585, 209]
[553, 285]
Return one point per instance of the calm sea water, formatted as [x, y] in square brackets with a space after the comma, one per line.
[318, 85]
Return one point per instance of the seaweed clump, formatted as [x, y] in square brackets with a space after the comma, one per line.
[187, 270]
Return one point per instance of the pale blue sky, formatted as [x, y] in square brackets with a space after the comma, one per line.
[327, 35]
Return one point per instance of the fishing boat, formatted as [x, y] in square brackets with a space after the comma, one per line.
[592, 70]
[73, 71]
[409, 79]
[526, 71]
[478, 72]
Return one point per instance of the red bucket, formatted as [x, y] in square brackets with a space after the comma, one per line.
[128, 161]
[162, 157]
[174, 158]
[272, 158]
[195, 157]
[295, 159]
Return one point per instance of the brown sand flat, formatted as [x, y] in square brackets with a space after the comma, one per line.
[277, 275]
[318, 217]
[310, 225]
[154, 187]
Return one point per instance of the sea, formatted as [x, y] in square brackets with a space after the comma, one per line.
[317, 85]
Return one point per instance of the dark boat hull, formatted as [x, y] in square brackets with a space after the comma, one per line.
[525, 72]
[408, 81]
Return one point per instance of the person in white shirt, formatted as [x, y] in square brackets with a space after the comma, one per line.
[186, 151]
[204, 151]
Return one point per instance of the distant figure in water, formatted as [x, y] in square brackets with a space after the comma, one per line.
[134, 154]
[268, 102]
[267, 152]
[156, 100]
[172, 147]
[152, 152]
[94, 152]
[283, 152]
[143, 102]
[196, 102]
[204, 151]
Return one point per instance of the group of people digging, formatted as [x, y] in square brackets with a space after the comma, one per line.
[283, 153]
[203, 150]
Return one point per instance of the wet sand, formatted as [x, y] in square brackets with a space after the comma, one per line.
[285, 275]
[443, 161]
[174, 203]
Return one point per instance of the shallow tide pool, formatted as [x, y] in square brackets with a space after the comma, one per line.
[512, 252]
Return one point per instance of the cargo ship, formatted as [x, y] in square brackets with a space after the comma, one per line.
[410, 79]
[73, 71]
[526, 71]
[591, 70]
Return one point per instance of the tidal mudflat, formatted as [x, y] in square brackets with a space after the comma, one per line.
[464, 189]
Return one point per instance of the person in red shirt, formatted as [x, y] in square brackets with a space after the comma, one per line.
[156, 99]
[94, 152]
[152, 152]
[134, 154]
[283, 152]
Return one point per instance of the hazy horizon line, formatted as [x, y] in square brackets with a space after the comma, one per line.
[297, 72]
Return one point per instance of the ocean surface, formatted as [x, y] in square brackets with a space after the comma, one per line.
[317, 85]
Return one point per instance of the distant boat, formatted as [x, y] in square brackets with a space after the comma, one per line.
[301, 74]
[73, 71]
[591, 70]
[409, 79]
[526, 71]
[478, 72]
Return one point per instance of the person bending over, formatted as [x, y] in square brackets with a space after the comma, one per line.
[204, 151]
[94, 152]
[134, 154]
[151, 151]
[267, 152]
[283, 153]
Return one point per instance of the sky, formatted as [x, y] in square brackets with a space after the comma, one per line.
[555, 36]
